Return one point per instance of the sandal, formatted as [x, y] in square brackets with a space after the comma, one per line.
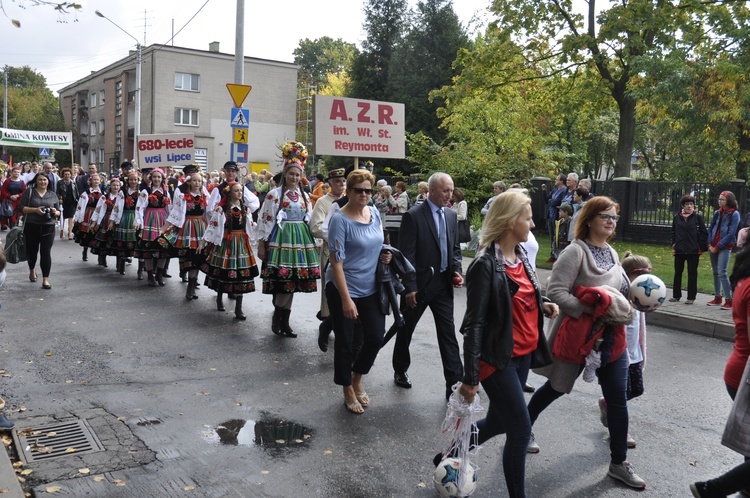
[354, 407]
[363, 398]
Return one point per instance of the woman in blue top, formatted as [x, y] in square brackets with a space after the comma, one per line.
[356, 238]
[722, 236]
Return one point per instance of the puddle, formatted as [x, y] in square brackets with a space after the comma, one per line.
[266, 433]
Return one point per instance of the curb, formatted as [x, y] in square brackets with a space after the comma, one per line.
[8, 479]
[691, 324]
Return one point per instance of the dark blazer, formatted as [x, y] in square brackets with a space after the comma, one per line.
[418, 241]
[689, 236]
[488, 322]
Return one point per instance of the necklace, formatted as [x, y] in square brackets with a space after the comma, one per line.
[293, 195]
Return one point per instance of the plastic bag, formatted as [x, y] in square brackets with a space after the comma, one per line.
[460, 423]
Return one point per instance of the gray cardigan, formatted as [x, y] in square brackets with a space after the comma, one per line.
[575, 266]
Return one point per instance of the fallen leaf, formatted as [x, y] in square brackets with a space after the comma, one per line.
[328, 452]
[119, 482]
[201, 393]
[298, 441]
[51, 434]
[84, 471]
[265, 472]
[181, 356]
[421, 485]
[4, 491]
[68, 381]
[53, 489]
[70, 450]
[48, 353]
[22, 409]
[30, 361]
[7, 375]
[27, 472]
[17, 465]
[21, 479]
[694, 463]
[239, 403]
[189, 488]
[280, 441]
[110, 352]
[276, 361]
[213, 369]
[98, 478]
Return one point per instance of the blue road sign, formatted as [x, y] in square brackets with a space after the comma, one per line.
[239, 153]
[240, 118]
[44, 151]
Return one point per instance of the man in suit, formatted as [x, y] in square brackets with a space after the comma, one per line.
[429, 240]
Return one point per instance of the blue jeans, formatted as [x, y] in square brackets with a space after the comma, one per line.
[508, 415]
[719, 265]
[613, 378]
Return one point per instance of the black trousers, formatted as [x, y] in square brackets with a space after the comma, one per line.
[692, 271]
[39, 240]
[441, 305]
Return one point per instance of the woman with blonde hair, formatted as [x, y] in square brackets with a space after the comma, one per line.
[504, 331]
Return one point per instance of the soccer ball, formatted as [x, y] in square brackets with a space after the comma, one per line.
[446, 479]
[647, 292]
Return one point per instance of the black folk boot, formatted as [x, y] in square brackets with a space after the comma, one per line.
[220, 302]
[286, 329]
[238, 314]
[151, 280]
[159, 276]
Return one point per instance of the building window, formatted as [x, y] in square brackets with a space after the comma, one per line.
[92, 128]
[93, 99]
[118, 136]
[186, 81]
[101, 97]
[101, 156]
[187, 117]
[101, 127]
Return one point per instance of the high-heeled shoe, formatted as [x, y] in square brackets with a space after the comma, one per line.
[46, 286]
[32, 276]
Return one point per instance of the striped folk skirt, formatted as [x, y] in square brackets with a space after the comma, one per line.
[231, 266]
[148, 246]
[126, 235]
[82, 229]
[184, 242]
[292, 261]
[103, 239]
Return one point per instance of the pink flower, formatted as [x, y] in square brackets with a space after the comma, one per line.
[284, 272]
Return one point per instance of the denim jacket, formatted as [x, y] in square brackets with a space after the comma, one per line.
[730, 223]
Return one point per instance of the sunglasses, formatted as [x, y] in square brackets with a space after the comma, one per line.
[360, 191]
[607, 217]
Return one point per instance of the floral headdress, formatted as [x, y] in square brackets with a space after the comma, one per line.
[294, 154]
[225, 193]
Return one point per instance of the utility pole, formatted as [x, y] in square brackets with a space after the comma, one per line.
[239, 45]
[5, 100]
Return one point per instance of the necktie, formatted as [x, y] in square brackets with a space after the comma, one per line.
[443, 241]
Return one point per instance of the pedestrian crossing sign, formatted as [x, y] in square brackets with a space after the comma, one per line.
[44, 152]
[240, 118]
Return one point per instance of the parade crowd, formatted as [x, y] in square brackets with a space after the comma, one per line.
[331, 228]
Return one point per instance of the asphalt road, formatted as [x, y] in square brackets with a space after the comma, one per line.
[189, 402]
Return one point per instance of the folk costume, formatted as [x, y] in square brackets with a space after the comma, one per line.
[230, 264]
[82, 219]
[188, 215]
[108, 210]
[125, 237]
[150, 214]
[291, 263]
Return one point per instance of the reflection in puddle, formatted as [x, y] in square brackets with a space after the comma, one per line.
[267, 433]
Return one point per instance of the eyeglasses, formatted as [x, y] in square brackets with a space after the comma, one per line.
[360, 191]
[608, 217]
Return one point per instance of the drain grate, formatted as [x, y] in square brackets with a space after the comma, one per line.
[73, 437]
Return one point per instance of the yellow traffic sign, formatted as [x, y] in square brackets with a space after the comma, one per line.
[238, 92]
[240, 136]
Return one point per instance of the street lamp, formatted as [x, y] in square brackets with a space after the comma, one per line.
[138, 65]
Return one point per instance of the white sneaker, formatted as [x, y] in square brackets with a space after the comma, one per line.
[603, 412]
[533, 447]
[631, 442]
[624, 472]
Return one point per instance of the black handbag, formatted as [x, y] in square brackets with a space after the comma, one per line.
[15, 246]
[6, 208]
[464, 231]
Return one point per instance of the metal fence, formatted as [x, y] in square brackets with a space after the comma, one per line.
[656, 203]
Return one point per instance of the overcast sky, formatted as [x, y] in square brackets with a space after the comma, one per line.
[66, 51]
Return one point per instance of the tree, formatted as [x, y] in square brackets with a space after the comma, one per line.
[31, 106]
[612, 41]
[62, 8]
[322, 57]
[384, 25]
[423, 62]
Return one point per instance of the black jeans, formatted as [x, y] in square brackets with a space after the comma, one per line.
[692, 271]
[345, 360]
[39, 239]
[739, 477]
[507, 414]
[613, 378]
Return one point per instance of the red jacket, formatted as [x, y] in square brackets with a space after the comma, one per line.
[576, 336]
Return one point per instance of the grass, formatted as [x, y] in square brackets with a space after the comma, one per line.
[661, 261]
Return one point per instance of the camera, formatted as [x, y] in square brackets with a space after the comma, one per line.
[47, 213]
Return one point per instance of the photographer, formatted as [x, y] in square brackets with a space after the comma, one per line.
[40, 207]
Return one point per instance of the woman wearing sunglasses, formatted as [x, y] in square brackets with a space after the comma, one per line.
[588, 262]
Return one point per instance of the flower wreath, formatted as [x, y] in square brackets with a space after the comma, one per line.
[293, 151]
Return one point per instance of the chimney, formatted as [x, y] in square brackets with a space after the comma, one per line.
[213, 46]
